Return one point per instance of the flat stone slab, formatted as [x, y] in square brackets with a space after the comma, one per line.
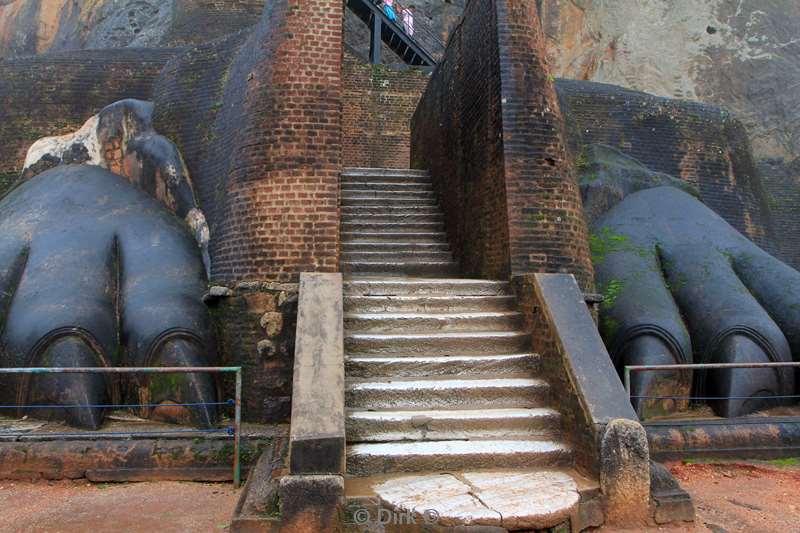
[530, 500]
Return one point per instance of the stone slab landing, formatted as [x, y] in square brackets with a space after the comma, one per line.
[446, 408]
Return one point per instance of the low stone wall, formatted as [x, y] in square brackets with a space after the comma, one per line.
[135, 459]
[379, 101]
[256, 325]
[490, 131]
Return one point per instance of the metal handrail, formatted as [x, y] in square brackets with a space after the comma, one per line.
[700, 366]
[419, 26]
[237, 428]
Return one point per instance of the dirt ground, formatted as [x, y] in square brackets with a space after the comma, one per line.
[79, 506]
[730, 498]
[758, 497]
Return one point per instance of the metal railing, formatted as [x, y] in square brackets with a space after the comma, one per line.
[628, 370]
[423, 34]
[700, 366]
[235, 431]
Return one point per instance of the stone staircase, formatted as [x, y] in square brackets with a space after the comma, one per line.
[441, 381]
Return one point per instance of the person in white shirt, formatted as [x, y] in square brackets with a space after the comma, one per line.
[408, 20]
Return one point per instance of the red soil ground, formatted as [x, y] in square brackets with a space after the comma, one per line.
[730, 498]
[738, 497]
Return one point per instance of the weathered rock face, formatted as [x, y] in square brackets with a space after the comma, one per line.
[741, 54]
[29, 27]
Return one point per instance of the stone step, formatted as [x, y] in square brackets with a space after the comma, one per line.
[395, 247]
[428, 304]
[455, 343]
[360, 194]
[432, 322]
[404, 268]
[397, 257]
[393, 227]
[398, 201]
[362, 185]
[391, 218]
[477, 393]
[365, 367]
[384, 173]
[525, 499]
[446, 287]
[393, 237]
[374, 458]
[391, 426]
[393, 210]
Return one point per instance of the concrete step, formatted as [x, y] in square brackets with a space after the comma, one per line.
[353, 185]
[396, 201]
[445, 287]
[478, 393]
[403, 268]
[393, 227]
[374, 458]
[352, 237]
[365, 367]
[392, 218]
[395, 247]
[394, 210]
[428, 304]
[383, 173]
[391, 426]
[397, 257]
[455, 343]
[432, 322]
[358, 194]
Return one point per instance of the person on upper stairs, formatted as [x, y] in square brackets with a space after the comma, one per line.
[408, 19]
[388, 8]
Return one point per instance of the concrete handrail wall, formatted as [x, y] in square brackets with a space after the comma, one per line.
[317, 434]
[610, 444]
[575, 359]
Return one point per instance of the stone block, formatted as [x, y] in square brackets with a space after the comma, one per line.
[670, 502]
[625, 473]
[311, 504]
[317, 430]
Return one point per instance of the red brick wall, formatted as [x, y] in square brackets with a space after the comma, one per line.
[490, 130]
[379, 101]
[280, 208]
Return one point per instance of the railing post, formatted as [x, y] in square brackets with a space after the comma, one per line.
[376, 40]
[628, 381]
[237, 431]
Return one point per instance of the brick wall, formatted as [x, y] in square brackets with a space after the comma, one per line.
[258, 117]
[379, 101]
[490, 130]
[700, 143]
[217, 18]
[56, 94]
[781, 183]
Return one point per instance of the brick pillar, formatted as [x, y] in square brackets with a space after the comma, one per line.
[280, 213]
[490, 131]
[547, 229]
